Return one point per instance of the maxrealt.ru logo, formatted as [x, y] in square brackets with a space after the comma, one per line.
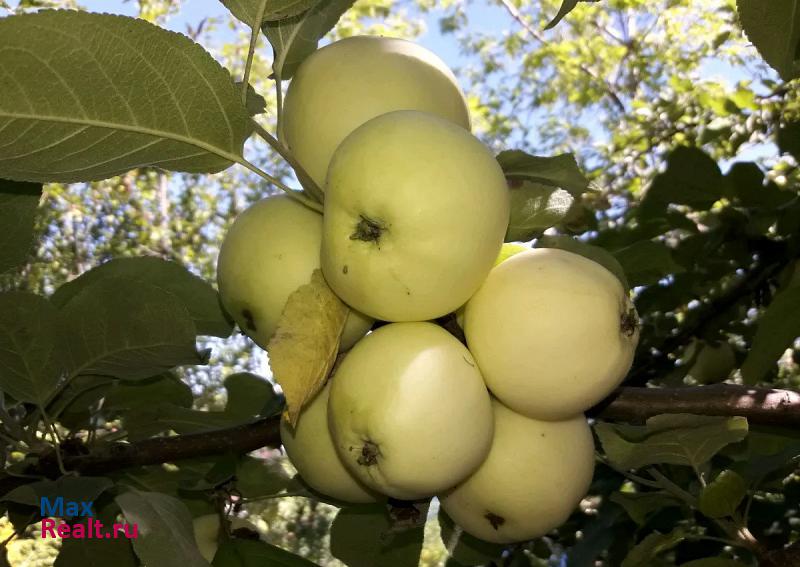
[90, 529]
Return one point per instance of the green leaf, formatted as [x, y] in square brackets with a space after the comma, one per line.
[646, 550]
[747, 182]
[677, 439]
[143, 422]
[594, 253]
[256, 478]
[173, 478]
[789, 139]
[535, 207]
[778, 327]
[200, 299]
[128, 329]
[645, 262]
[77, 401]
[165, 533]
[363, 535]
[84, 488]
[598, 535]
[18, 203]
[33, 352]
[164, 388]
[247, 10]
[464, 548]
[221, 472]
[566, 7]
[250, 396]
[722, 496]
[250, 553]
[767, 454]
[641, 505]
[294, 39]
[774, 28]
[691, 178]
[96, 553]
[96, 95]
[557, 171]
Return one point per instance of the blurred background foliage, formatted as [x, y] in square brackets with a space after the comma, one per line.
[619, 83]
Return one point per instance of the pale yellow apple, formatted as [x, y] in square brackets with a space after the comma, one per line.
[206, 535]
[344, 84]
[553, 332]
[271, 249]
[506, 251]
[415, 213]
[535, 475]
[409, 412]
[310, 449]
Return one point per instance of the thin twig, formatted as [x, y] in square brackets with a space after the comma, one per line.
[533, 32]
[308, 183]
[294, 194]
[252, 50]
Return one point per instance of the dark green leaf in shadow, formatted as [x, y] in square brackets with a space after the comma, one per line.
[128, 329]
[33, 350]
[18, 203]
[200, 299]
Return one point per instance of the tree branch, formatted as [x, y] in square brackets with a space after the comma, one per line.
[514, 12]
[759, 405]
[762, 406]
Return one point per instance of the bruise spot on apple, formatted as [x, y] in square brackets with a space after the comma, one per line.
[344, 269]
[629, 322]
[368, 230]
[249, 320]
[369, 454]
[495, 520]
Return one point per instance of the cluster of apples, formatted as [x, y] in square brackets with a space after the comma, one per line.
[415, 213]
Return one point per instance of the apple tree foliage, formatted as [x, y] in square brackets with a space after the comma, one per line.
[686, 187]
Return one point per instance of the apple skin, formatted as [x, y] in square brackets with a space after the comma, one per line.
[344, 84]
[206, 535]
[271, 249]
[535, 475]
[553, 332]
[409, 412]
[310, 448]
[415, 214]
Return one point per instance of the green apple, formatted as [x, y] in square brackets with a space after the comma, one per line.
[271, 249]
[713, 363]
[415, 213]
[310, 448]
[206, 535]
[409, 412]
[553, 332]
[535, 475]
[341, 86]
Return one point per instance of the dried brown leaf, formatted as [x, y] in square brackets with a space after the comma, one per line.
[303, 349]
